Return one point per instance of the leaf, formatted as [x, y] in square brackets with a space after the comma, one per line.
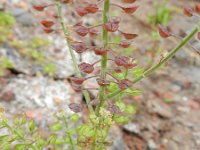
[20, 147]
[121, 119]
[4, 138]
[59, 141]
[56, 127]
[138, 72]
[121, 105]
[31, 125]
[74, 118]
[133, 92]
[130, 109]
[112, 87]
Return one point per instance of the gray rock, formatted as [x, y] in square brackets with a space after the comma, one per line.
[118, 144]
[23, 17]
[132, 127]
[40, 92]
[160, 108]
[152, 145]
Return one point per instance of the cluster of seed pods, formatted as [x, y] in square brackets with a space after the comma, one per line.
[121, 63]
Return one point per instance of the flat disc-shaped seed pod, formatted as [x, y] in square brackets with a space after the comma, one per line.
[87, 68]
[130, 9]
[128, 1]
[125, 84]
[75, 107]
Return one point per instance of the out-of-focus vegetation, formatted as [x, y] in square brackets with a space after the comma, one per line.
[162, 14]
[30, 49]
[6, 22]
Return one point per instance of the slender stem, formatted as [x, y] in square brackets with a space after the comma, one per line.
[163, 61]
[17, 133]
[104, 60]
[85, 93]
[104, 57]
[69, 135]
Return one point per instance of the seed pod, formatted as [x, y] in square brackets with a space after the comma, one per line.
[188, 11]
[121, 60]
[81, 11]
[39, 7]
[130, 9]
[91, 8]
[77, 80]
[112, 25]
[81, 30]
[198, 35]
[47, 23]
[77, 88]
[129, 36]
[87, 68]
[124, 44]
[118, 69]
[48, 30]
[79, 47]
[164, 33]
[124, 84]
[130, 64]
[67, 1]
[75, 107]
[128, 1]
[114, 109]
[100, 51]
[102, 82]
[197, 8]
[93, 32]
[95, 102]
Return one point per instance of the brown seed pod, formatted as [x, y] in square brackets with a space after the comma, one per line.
[100, 51]
[81, 11]
[93, 32]
[125, 84]
[117, 69]
[188, 11]
[129, 36]
[124, 44]
[91, 7]
[77, 80]
[77, 88]
[48, 30]
[87, 68]
[112, 25]
[128, 1]
[130, 9]
[39, 7]
[121, 60]
[47, 23]
[197, 8]
[75, 107]
[164, 33]
[79, 47]
[102, 82]
[81, 30]
[114, 109]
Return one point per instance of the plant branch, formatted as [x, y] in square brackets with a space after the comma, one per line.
[163, 61]
[104, 57]
[85, 93]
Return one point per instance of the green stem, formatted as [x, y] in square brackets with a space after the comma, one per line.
[104, 58]
[163, 61]
[19, 135]
[65, 31]
[69, 135]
